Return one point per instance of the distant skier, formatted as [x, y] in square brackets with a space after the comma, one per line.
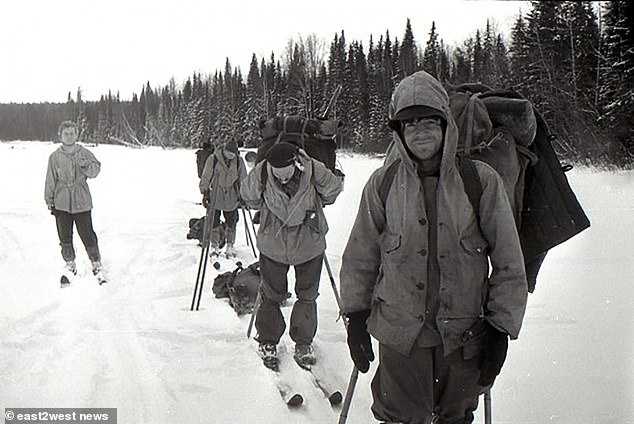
[220, 183]
[68, 198]
[415, 271]
[290, 188]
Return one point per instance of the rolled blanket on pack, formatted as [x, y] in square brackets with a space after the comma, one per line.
[515, 115]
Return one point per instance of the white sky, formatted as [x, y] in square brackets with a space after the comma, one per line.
[50, 47]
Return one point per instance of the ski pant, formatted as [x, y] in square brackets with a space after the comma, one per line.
[83, 222]
[231, 220]
[269, 320]
[425, 385]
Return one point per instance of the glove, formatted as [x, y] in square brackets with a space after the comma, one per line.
[205, 201]
[359, 342]
[494, 351]
[51, 208]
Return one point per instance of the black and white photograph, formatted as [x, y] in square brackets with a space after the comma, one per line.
[361, 212]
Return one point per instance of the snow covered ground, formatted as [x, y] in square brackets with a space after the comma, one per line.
[134, 345]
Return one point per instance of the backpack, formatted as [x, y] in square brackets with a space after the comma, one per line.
[201, 158]
[315, 136]
[240, 286]
[504, 130]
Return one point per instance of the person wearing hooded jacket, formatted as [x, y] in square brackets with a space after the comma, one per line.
[290, 188]
[68, 198]
[220, 183]
[415, 271]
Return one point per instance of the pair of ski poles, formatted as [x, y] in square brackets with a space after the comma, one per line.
[204, 251]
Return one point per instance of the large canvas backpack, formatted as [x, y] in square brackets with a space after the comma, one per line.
[504, 130]
[315, 136]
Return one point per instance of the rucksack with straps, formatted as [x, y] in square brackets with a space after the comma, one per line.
[505, 130]
[315, 136]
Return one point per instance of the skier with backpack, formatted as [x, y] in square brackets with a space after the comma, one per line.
[67, 196]
[415, 271]
[290, 189]
[220, 184]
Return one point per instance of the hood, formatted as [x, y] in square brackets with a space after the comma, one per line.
[422, 89]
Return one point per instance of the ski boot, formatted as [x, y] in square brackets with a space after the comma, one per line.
[304, 355]
[214, 249]
[70, 271]
[230, 251]
[97, 271]
[268, 353]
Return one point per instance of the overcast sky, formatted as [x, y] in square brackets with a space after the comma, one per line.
[50, 47]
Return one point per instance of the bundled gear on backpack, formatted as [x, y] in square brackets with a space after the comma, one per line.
[315, 136]
[240, 286]
[202, 154]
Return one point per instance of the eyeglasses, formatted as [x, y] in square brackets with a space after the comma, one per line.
[426, 121]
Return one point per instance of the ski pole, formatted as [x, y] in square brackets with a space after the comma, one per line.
[249, 238]
[355, 372]
[252, 224]
[204, 254]
[348, 401]
[487, 406]
[258, 300]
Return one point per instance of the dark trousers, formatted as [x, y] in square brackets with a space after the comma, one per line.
[413, 389]
[83, 222]
[231, 218]
[269, 320]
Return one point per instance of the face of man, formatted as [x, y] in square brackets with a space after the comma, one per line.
[229, 154]
[284, 174]
[423, 136]
[69, 136]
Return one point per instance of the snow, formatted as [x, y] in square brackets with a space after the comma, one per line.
[134, 345]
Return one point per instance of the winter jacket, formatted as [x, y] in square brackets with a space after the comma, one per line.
[292, 230]
[384, 264]
[224, 179]
[66, 188]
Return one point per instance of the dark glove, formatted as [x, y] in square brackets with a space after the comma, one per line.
[359, 342]
[52, 209]
[205, 200]
[494, 350]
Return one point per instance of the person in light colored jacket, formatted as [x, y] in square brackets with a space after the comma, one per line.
[220, 184]
[68, 198]
[290, 188]
[415, 272]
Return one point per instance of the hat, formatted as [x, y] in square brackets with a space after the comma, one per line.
[232, 146]
[418, 112]
[281, 154]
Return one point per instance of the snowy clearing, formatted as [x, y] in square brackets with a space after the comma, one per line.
[134, 345]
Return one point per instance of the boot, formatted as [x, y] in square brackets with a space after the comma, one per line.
[68, 273]
[97, 271]
[231, 239]
[304, 355]
[230, 251]
[268, 353]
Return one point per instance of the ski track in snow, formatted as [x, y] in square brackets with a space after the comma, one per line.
[134, 345]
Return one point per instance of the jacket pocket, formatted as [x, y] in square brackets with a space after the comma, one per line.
[311, 220]
[473, 339]
[390, 242]
[474, 245]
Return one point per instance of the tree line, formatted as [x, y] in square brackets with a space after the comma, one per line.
[575, 66]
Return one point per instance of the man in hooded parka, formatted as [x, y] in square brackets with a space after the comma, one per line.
[415, 272]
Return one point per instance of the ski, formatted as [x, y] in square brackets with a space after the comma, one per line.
[290, 397]
[64, 281]
[218, 265]
[318, 377]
